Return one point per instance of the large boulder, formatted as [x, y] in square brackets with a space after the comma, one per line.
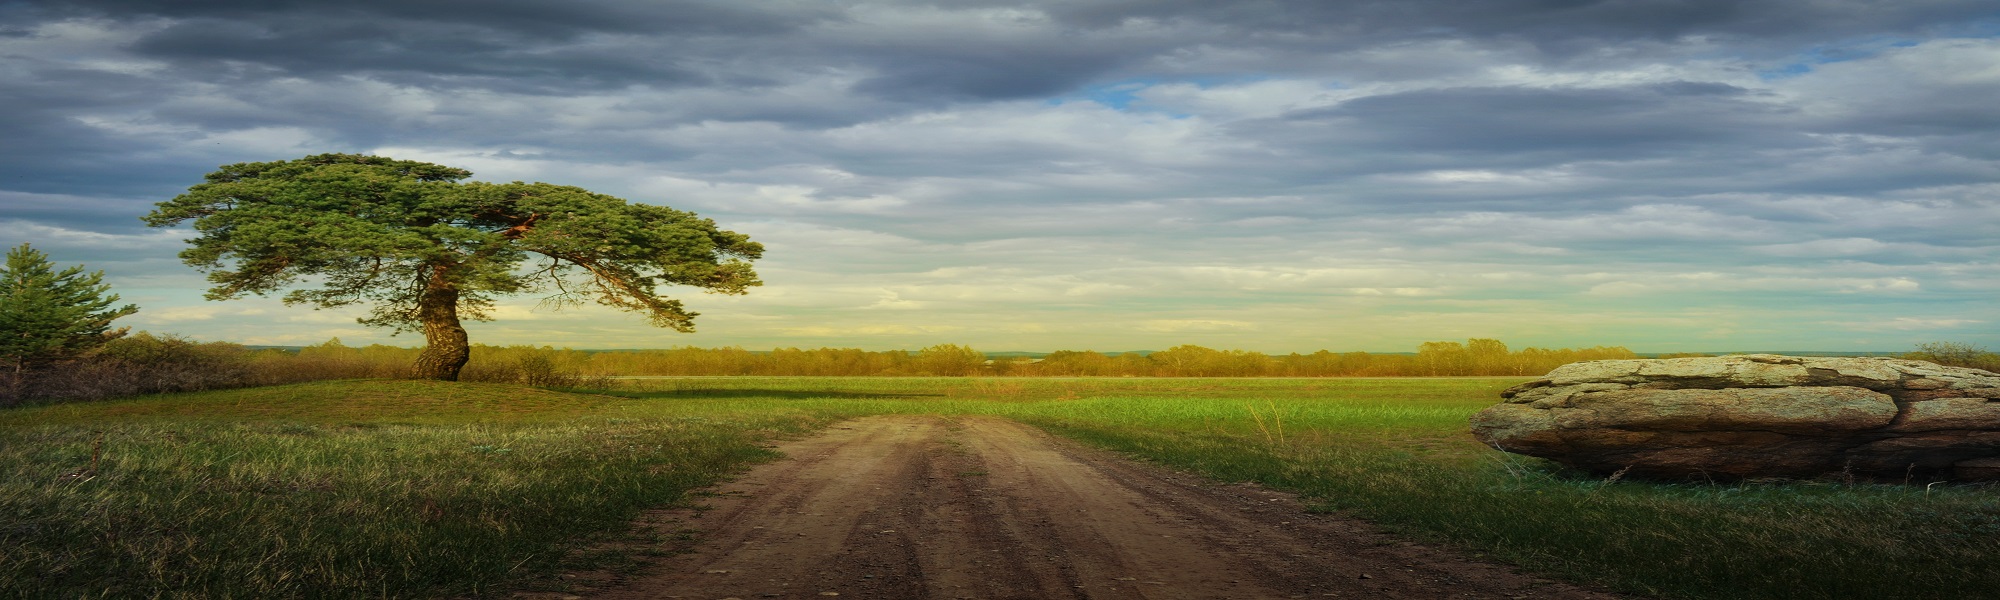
[1756, 416]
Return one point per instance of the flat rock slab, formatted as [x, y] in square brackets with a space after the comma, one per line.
[904, 507]
[1756, 416]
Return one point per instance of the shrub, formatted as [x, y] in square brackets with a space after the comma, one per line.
[142, 363]
[950, 360]
[1955, 354]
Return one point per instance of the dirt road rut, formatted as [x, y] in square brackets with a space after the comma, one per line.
[927, 507]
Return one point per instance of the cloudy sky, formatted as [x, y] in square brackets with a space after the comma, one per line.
[1272, 175]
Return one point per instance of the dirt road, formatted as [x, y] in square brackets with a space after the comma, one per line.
[927, 507]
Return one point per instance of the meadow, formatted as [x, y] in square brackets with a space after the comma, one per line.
[412, 489]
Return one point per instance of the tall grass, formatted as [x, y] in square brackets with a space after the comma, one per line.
[359, 489]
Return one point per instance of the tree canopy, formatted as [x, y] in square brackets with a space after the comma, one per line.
[425, 248]
[48, 315]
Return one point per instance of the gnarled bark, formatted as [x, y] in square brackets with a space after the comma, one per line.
[445, 346]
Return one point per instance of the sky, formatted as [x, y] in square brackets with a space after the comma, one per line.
[1268, 175]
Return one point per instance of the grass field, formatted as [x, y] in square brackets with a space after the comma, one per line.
[418, 489]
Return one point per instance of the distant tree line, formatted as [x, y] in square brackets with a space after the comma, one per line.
[145, 363]
[1432, 359]
[499, 363]
[149, 363]
[1474, 357]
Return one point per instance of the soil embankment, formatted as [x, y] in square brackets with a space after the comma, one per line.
[927, 507]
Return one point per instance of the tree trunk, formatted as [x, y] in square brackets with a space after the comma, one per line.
[445, 346]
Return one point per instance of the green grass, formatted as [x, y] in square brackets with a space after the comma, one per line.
[1796, 540]
[415, 489]
[1396, 452]
[338, 490]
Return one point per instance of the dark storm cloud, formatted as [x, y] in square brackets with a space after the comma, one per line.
[531, 47]
[82, 213]
[1528, 127]
[546, 47]
[1002, 73]
[536, 44]
[430, 54]
[549, 20]
[47, 150]
[1560, 23]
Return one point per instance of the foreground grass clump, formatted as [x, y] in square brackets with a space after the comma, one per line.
[338, 489]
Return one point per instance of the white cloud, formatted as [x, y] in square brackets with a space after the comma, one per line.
[45, 237]
[823, 331]
[1712, 283]
[1900, 79]
[1194, 325]
[1909, 324]
[1833, 247]
[1256, 99]
[180, 314]
[270, 141]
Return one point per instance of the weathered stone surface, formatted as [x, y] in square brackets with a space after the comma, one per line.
[1978, 469]
[1756, 416]
[1950, 413]
[1804, 410]
[1927, 453]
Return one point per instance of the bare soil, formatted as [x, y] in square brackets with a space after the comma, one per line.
[928, 507]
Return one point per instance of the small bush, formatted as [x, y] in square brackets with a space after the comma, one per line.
[950, 360]
[528, 365]
[1955, 354]
[143, 363]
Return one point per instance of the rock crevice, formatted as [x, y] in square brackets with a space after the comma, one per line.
[1756, 416]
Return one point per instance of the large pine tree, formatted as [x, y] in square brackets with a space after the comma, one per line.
[426, 250]
[47, 315]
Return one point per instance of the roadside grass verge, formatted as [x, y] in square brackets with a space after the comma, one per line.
[1411, 466]
[376, 489]
[1790, 540]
